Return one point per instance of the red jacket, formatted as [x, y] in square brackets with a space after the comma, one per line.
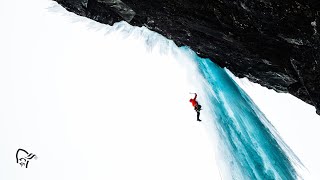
[193, 101]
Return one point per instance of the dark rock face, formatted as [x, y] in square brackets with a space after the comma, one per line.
[274, 43]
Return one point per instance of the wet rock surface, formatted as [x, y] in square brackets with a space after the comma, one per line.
[274, 43]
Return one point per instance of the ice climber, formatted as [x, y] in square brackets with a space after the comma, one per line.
[196, 105]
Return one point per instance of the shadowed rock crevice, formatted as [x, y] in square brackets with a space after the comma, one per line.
[273, 43]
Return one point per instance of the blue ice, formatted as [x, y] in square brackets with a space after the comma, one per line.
[250, 145]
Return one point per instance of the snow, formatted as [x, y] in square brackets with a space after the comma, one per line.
[95, 102]
[111, 102]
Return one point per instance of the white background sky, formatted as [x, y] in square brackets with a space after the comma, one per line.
[95, 102]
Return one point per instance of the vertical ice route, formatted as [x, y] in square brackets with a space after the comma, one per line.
[249, 144]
